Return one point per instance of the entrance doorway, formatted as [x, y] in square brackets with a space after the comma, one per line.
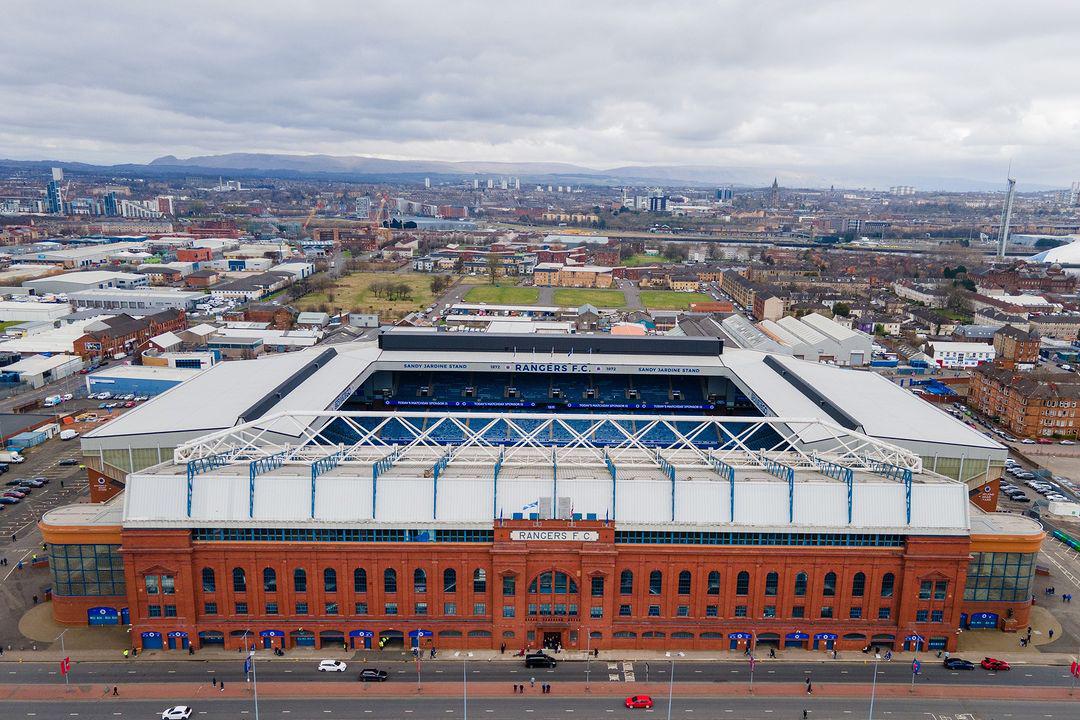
[552, 639]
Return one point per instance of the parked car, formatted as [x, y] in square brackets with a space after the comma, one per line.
[639, 702]
[8, 500]
[1027, 441]
[33, 483]
[14, 494]
[539, 660]
[1045, 441]
[372, 675]
[332, 666]
[68, 461]
[955, 663]
[990, 663]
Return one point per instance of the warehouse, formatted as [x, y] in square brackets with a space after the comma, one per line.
[651, 494]
[39, 370]
[13, 311]
[86, 280]
[144, 299]
[77, 257]
[137, 379]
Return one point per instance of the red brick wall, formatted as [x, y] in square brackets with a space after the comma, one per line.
[171, 552]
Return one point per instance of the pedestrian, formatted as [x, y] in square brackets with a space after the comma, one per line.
[126, 654]
[1051, 633]
[213, 681]
[502, 648]
[35, 599]
[12, 537]
[809, 688]
[804, 714]
[61, 484]
[115, 690]
[221, 686]
[515, 689]
[596, 652]
[532, 682]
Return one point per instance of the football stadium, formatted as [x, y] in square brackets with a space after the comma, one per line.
[480, 491]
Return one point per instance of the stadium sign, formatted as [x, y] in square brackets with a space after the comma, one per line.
[555, 535]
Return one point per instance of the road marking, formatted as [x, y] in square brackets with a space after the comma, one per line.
[172, 672]
[736, 672]
[287, 671]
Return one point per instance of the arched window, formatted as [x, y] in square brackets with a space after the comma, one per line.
[887, 582]
[742, 583]
[800, 584]
[772, 581]
[714, 582]
[479, 580]
[553, 583]
[299, 580]
[684, 582]
[239, 580]
[269, 580]
[656, 582]
[329, 580]
[359, 580]
[389, 580]
[449, 580]
[419, 581]
[626, 583]
[829, 587]
[209, 581]
[858, 585]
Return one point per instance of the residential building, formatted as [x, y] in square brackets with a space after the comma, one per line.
[958, 355]
[1016, 349]
[1060, 326]
[1028, 404]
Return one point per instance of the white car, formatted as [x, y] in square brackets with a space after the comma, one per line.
[1027, 441]
[180, 712]
[332, 666]
[1067, 442]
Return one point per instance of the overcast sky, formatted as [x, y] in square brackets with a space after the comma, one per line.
[836, 91]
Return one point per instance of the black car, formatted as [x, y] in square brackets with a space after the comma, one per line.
[539, 660]
[372, 675]
[66, 461]
[4, 468]
[33, 483]
[13, 483]
[955, 663]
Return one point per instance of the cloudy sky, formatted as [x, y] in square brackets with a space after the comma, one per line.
[834, 91]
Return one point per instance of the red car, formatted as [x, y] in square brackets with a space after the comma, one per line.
[639, 701]
[1045, 441]
[990, 663]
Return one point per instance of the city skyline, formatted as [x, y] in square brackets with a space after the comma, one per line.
[837, 94]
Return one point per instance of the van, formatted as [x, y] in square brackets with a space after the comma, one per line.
[11, 456]
[52, 400]
[68, 434]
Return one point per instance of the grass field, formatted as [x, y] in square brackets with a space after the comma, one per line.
[576, 297]
[5, 325]
[353, 293]
[671, 300]
[639, 260]
[502, 295]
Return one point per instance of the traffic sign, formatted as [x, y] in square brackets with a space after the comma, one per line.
[65, 666]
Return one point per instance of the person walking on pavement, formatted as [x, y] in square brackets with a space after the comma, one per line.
[213, 681]
[221, 686]
[804, 714]
[126, 653]
[115, 690]
[1051, 633]
[532, 682]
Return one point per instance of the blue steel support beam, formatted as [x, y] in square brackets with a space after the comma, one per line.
[895, 472]
[783, 472]
[839, 472]
[201, 465]
[377, 469]
[440, 465]
[726, 472]
[613, 473]
[554, 485]
[495, 488]
[320, 466]
[258, 467]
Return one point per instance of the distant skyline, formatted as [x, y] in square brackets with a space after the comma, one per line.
[845, 93]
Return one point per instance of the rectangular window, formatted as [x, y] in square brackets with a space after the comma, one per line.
[626, 583]
[826, 611]
[682, 611]
[922, 615]
[361, 608]
[798, 611]
[449, 609]
[598, 587]
[654, 611]
[624, 611]
[168, 585]
[271, 608]
[884, 613]
[769, 611]
[924, 589]
[151, 584]
[155, 611]
[241, 608]
[855, 613]
[420, 608]
[508, 611]
[937, 616]
[596, 611]
[509, 586]
[170, 611]
[479, 609]
[331, 608]
[390, 609]
[712, 611]
[740, 611]
[939, 589]
[301, 608]
[209, 608]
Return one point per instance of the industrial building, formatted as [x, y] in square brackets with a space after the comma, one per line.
[14, 311]
[77, 257]
[582, 491]
[86, 280]
[143, 299]
[39, 370]
[138, 379]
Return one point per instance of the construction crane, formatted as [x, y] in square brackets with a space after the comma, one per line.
[1006, 218]
[311, 215]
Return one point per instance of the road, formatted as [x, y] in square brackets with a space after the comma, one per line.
[601, 671]
[540, 708]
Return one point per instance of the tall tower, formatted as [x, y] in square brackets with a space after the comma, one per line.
[774, 194]
[54, 196]
[1006, 218]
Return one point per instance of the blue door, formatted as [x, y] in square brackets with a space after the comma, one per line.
[178, 640]
[152, 641]
[125, 616]
[102, 616]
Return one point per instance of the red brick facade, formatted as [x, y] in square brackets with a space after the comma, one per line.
[664, 612]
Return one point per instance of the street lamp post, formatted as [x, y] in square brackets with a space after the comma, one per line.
[254, 682]
[671, 682]
[873, 686]
[464, 684]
